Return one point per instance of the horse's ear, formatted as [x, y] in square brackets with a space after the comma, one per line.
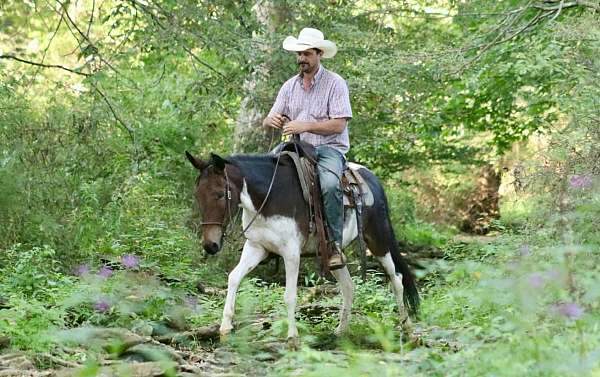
[198, 163]
[218, 161]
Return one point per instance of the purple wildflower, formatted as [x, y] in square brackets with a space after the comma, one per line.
[102, 305]
[570, 310]
[536, 280]
[105, 272]
[553, 275]
[190, 301]
[82, 269]
[524, 251]
[580, 181]
[130, 260]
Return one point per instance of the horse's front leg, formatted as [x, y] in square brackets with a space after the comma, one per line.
[291, 260]
[252, 255]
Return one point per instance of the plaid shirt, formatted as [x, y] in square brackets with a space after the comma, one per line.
[327, 98]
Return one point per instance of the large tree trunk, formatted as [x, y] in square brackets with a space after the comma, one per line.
[482, 205]
[250, 136]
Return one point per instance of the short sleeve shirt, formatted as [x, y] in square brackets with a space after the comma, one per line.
[327, 98]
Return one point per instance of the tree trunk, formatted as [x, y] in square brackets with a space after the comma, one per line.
[482, 206]
[250, 136]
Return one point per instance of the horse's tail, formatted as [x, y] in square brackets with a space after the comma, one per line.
[385, 233]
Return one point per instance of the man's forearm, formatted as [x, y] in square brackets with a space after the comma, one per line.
[325, 128]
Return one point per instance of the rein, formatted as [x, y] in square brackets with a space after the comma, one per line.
[228, 199]
[266, 196]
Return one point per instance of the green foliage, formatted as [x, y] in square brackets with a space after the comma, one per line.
[92, 169]
[32, 272]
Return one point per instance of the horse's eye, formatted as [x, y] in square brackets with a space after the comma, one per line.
[220, 195]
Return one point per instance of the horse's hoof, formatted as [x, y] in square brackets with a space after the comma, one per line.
[338, 332]
[406, 322]
[293, 343]
[224, 335]
[407, 326]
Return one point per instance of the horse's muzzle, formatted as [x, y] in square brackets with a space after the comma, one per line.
[211, 247]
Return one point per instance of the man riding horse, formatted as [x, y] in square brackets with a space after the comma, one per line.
[315, 105]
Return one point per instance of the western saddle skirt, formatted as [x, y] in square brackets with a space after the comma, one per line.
[357, 193]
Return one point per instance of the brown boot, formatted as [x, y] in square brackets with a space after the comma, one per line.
[337, 259]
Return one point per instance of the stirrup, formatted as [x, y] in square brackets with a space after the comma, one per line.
[337, 261]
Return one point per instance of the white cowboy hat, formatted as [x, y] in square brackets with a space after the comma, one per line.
[310, 38]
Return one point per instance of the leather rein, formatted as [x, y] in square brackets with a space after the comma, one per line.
[228, 198]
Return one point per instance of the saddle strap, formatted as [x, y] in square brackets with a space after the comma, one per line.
[311, 190]
[324, 248]
[306, 175]
[357, 197]
[301, 175]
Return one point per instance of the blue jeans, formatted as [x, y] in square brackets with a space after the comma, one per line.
[330, 167]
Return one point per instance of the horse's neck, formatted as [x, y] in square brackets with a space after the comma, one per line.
[256, 180]
[257, 173]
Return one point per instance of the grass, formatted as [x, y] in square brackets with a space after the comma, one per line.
[483, 313]
[491, 306]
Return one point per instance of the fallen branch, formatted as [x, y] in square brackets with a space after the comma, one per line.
[4, 342]
[143, 369]
[58, 361]
[17, 361]
[21, 373]
[203, 333]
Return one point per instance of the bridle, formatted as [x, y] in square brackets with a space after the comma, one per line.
[227, 194]
[228, 199]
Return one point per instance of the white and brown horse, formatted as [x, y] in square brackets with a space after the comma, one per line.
[268, 191]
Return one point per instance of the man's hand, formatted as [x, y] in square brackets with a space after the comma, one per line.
[294, 127]
[276, 121]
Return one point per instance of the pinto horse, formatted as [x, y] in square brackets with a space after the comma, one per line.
[275, 219]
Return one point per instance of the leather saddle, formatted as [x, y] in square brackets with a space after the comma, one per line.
[357, 195]
[304, 157]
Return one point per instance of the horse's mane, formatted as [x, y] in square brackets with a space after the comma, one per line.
[258, 169]
[252, 159]
[251, 164]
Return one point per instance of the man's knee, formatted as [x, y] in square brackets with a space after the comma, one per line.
[329, 182]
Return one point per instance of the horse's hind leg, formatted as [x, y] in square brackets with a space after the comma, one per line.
[397, 287]
[252, 255]
[343, 277]
[376, 237]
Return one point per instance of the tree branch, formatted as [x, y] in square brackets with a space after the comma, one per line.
[497, 40]
[145, 9]
[545, 9]
[13, 57]
[589, 4]
[557, 5]
[87, 34]
[70, 22]
[412, 13]
[47, 48]
[129, 130]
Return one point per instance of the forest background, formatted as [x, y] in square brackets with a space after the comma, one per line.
[481, 118]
